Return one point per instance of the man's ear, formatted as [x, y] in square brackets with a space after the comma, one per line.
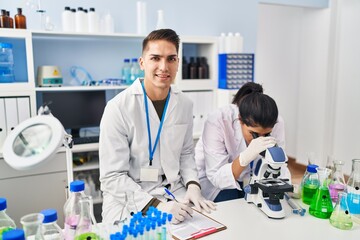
[141, 63]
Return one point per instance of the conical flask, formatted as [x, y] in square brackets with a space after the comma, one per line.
[129, 207]
[353, 191]
[84, 227]
[321, 205]
[337, 182]
[340, 217]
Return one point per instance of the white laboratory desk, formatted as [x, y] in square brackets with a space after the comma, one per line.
[245, 221]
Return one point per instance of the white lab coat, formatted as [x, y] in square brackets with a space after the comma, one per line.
[222, 142]
[123, 149]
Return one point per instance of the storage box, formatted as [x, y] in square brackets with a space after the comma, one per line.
[235, 69]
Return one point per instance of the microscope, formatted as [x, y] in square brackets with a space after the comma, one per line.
[266, 189]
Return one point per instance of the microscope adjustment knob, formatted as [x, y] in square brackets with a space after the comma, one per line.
[259, 205]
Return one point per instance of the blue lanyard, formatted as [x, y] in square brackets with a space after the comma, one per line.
[152, 150]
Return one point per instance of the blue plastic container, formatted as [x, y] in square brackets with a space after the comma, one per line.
[6, 63]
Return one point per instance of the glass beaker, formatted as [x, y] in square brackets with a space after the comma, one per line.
[321, 205]
[337, 182]
[340, 217]
[330, 161]
[31, 224]
[353, 191]
[129, 207]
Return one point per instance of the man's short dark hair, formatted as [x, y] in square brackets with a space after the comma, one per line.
[162, 34]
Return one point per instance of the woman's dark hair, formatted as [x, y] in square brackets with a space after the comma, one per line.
[255, 107]
[162, 34]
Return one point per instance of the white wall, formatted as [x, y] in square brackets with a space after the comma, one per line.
[346, 140]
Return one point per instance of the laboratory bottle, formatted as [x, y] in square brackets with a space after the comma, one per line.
[11, 20]
[4, 19]
[84, 227]
[50, 230]
[192, 69]
[135, 71]
[126, 71]
[321, 205]
[229, 43]
[81, 20]
[340, 217]
[93, 21]
[6, 223]
[337, 182]
[222, 43]
[309, 183]
[67, 20]
[185, 68]
[6, 63]
[160, 23]
[20, 19]
[15, 234]
[72, 208]
[238, 43]
[107, 23]
[204, 65]
[353, 190]
[32, 226]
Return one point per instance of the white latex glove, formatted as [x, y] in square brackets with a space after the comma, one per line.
[193, 194]
[179, 210]
[255, 147]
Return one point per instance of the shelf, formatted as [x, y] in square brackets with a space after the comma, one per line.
[86, 166]
[79, 88]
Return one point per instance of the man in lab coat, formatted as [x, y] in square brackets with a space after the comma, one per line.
[146, 142]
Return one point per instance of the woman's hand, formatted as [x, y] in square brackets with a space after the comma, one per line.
[255, 147]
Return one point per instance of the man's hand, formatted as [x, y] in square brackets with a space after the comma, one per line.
[193, 194]
[179, 210]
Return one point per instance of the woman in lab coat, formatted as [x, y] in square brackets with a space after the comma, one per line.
[146, 141]
[226, 153]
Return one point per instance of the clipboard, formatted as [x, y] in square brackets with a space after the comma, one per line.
[196, 227]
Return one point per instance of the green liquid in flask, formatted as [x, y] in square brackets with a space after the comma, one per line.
[321, 205]
[341, 220]
[308, 193]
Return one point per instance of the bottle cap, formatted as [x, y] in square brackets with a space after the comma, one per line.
[92, 9]
[80, 9]
[77, 186]
[67, 8]
[134, 60]
[16, 234]
[126, 60]
[5, 45]
[312, 168]
[50, 215]
[2, 204]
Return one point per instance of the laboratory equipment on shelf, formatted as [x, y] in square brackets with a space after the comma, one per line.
[353, 191]
[266, 189]
[31, 224]
[6, 223]
[50, 229]
[340, 217]
[20, 20]
[6, 63]
[321, 205]
[337, 181]
[309, 183]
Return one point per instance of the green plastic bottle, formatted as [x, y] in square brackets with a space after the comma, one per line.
[6, 223]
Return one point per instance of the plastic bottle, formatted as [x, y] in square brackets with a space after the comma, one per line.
[93, 21]
[72, 208]
[50, 229]
[20, 20]
[4, 19]
[238, 43]
[160, 24]
[81, 20]
[67, 20]
[6, 63]
[107, 23]
[141, 17]
[229, 43]
[11, 20]
[6, 223]
[309, 183]
[222, 43]
[337, 182]
[135, 71]
[16, 234]
[126, 71]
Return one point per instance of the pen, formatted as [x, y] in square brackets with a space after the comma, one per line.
[173, 197]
